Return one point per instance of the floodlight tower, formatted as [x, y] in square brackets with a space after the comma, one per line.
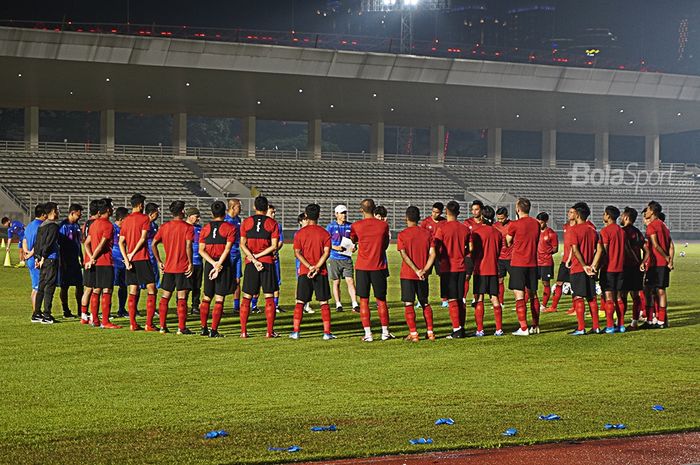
[406, 8]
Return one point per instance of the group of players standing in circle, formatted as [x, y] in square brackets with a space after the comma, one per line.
[484, 249]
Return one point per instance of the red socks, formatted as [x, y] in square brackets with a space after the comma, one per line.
[428, 316]
[453, 307]
[609, 313]
[636, 306]
[106, 307]
[661, 315]
[163, 311]
[501, 292]
[181, 314]
[270, 314]
[521, 311]
[383, 312]
[535, 310]
[131, 307]
[216, 315]
[298, 314]
[580, 308]
[245, 311]
[94, 308]
[479, 315]
[557, 296]
[364, 312]
[204, 313]
[546, 294]
[150, 309]
[593, 305]
[410, 313]
[620, 310]
[498, 315]
[326, 318]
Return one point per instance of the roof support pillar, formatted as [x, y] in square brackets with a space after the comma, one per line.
[437, 144]
[314, 135]
[602, 149]
[248, 136]
[376, 144]
[549, 148]
[652, 157]
[180, 134]
[494, 144]
[31, 128]
[107, 131]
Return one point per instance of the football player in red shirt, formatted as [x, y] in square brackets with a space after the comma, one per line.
[433, 222]
[133, 245]
[523, 235]
[609, 259]
[215, 242]
[582, 240]
[177, 236]
[452, 244]
[477, 218]
[564, 274]
[486, 243]
[660, 262]
[88, 273]
[547, 246]
[312, 247]
[259, 238]
[415, 244]
[98, 248]
[504, 257]
[632, 276]
[372, 237]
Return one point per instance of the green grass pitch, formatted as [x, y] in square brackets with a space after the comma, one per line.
[73, 394]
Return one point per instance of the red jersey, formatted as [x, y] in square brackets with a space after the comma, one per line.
[311, 241]
[372, 238]
[85, 233]
[613, 236]
[525, 233]
[432, 225]
[214, 236]
[451, 241]
[547, 245]
[99, 229]
[635, 239]
[487, 242]
[132, 228]
[259, 230]
[586, 239]
[416, 242]
[663, 237]
[174, 235]
[567, 247]
[506, 252]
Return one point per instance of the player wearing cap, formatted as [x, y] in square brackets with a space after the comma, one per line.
[372, 238]
[340, 262]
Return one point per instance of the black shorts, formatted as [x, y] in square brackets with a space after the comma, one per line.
[658, 277]
[583, 285]
[632, 279]
[318, 286]
[452, 284]
[48, 274]
[485, 285]
[469, 265]
[414, 289]
[89, 277]
[523, 277]
[612, 282]
[375, 279]
[253, 279]
[71, 273]
[141, 273]
[104, 277]
[564, 273]
[224, 284]
[172, 281]
[545, 273]
[503, 268]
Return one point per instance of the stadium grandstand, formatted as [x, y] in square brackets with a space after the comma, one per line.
[158, 73]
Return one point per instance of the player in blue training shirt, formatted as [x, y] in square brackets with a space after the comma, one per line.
[232, 217]
[339, 265]
[119, 265]
[28, 247]
[153, 212]
[70, 270]
[192, 216]
[15, 232]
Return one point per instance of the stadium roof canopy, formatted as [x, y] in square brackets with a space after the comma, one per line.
[92, 72]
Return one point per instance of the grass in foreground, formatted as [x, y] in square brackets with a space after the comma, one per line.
[73, 394]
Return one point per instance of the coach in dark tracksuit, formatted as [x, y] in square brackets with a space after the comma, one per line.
[46, 253]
